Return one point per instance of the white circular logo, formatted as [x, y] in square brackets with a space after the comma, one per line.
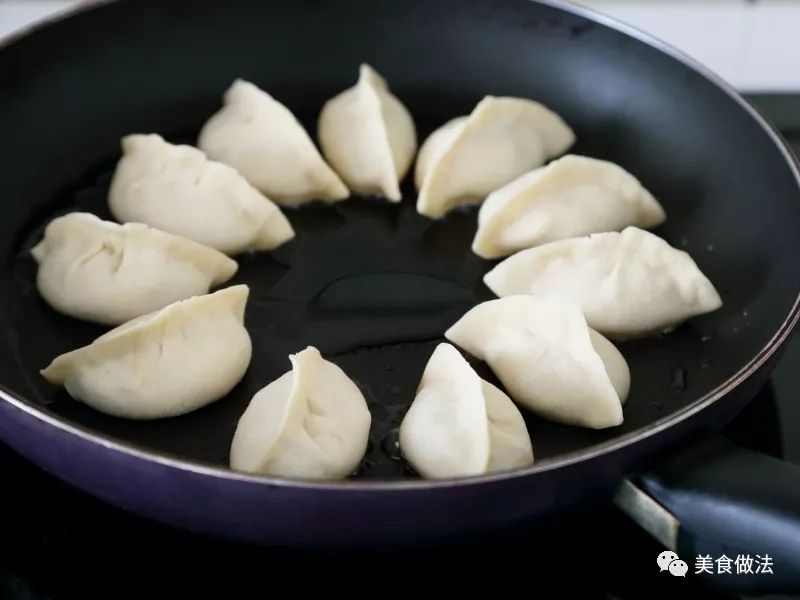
[666, 557]
[678, 568]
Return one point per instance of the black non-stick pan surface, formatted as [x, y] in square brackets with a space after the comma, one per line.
[371, 284]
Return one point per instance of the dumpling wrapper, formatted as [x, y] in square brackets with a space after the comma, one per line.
[570, 197]
[107, 273]
[627, 284]
[460, 425]
[311, 423]
[547, 359]
[164, 364]
[262, 139]
[368, 136]
[177, 189]
[467, 158]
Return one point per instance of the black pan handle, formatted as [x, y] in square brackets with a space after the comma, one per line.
[715, 499]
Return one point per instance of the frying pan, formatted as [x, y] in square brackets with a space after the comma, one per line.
[375, 285]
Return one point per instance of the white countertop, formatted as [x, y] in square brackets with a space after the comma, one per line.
[754, 44]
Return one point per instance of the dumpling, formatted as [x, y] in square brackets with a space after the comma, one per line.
[627, 284]
[460, 425]
[108, 273]
[311, 422]
[368, 136]
[164, 364]
[548, 359]
[469, 157]
[262, 139]
[570, 197]
[177, 189]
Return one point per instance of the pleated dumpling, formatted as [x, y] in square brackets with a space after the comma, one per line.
[570, 197]
[460, 425]
[467, 158]
[262, 139]
[548, 359]
[627, 284]
[177, 189]
[368, 136]
[163, 364]
[108, 273]
[311, 422]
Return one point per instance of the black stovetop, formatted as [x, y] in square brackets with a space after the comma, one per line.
[56, 542]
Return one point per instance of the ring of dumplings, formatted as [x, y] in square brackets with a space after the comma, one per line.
[578, 266]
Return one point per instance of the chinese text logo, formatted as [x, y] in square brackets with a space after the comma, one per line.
[743, 564]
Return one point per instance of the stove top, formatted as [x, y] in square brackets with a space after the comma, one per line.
[56, 542]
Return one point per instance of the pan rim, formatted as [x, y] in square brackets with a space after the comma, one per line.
[546, 465]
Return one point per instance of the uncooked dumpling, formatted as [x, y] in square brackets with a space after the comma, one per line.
[167, 363]
[460, 425]
[108, 273]
[262, 139]
[368, 136]
[177, 189]
[570, 197]
[547, 359]
[469, 157]
[311, 422]
[627, 284]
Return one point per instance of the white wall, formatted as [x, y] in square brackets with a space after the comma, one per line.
[754, 44]
[19, 13]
